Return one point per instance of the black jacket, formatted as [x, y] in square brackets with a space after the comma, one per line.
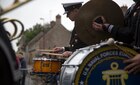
[130, 33]
[75, 42]
[23, 66]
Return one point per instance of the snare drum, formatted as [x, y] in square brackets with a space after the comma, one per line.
[99, 64]
[45, 65]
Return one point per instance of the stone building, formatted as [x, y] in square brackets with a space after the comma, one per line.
[57, 35]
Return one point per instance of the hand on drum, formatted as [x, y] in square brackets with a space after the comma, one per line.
[67, 53]
[58, 49]
[133, 64]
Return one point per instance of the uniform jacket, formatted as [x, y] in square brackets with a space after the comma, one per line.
[130, 33]
[75, 42]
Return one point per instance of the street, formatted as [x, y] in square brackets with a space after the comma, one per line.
[39, 79]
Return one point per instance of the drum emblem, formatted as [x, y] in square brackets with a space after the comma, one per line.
[114, 76]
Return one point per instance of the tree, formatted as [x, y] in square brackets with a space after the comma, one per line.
[32, 32]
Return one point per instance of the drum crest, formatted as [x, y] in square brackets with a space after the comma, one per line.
[104, 66]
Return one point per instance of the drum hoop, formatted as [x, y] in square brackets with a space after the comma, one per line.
[45, 59]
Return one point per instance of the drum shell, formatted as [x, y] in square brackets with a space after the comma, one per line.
[44, 65]
[71, 65]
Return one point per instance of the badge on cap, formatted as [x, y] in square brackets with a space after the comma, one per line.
[71, 6]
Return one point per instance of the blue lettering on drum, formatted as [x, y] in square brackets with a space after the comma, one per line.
[91, 68]
[108, 53]
[86, 69]
[105, 54]
[123, 54]
[93, 61]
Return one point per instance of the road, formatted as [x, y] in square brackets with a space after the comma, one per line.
[38, 79]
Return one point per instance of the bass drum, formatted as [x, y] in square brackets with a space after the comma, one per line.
[100, 64]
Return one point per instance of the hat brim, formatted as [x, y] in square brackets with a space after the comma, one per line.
[65, 12]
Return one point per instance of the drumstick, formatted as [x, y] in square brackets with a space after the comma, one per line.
[45, 50]
[55, 54]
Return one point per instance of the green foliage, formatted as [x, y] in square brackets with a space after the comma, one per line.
[30, 33]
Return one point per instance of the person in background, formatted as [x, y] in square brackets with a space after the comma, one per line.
[23, 67]
[18, 65]
[129, 34]
[72, 10]
[17, 61]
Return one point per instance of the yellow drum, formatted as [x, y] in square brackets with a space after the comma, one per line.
[44, 65]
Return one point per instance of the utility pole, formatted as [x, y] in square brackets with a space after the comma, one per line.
[43, 20]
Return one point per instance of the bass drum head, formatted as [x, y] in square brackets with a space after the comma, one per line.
[104, 66]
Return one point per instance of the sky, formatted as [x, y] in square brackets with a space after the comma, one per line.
[44, 11]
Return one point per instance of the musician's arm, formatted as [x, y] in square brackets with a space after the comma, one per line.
[123, 34]
[67, 48]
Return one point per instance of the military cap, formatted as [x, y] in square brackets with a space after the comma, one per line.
[71, 6]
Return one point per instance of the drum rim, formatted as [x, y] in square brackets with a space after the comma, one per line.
[46, 59]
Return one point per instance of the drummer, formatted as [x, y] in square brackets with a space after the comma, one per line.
[71, 11]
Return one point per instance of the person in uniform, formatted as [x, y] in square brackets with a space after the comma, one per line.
[129, 33]
[71, 9]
